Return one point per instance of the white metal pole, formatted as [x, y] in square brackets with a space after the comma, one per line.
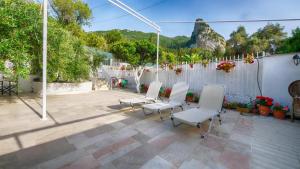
[157, 54]
[45, 21]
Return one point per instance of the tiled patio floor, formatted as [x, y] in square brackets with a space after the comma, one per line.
[89, 131]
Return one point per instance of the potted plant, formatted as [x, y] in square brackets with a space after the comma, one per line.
[243, 108]
[189, 97]
[178, 71]
[144, 88]
[162, 92]
[264, 104]
[249, 59]
[226, 66]
[204, 62]
[122, 68]
[168, 92]
[279, 111]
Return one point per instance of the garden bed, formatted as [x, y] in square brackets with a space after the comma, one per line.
[63, 88]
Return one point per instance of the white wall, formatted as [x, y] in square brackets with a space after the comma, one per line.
[278, 72]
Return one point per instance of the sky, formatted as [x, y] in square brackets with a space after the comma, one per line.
[107, 16]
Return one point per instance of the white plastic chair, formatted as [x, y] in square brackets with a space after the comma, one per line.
[177, 99]
[210, 106]
[151, 95]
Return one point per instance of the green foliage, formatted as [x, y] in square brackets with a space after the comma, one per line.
[165, 42]
[96, 58]
[291, 44]
[268, 38]
[237, 44]
[72, 11]
[67, 59]
[18, 27]
[137, 53]
[94, 40]
[113, 36]
[167, 58]
[21, 44]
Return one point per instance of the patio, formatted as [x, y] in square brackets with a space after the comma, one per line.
[92, 130]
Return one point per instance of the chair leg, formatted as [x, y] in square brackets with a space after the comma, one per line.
[220, 120]
[181, 107]
[160, 115]
[209, 128]
[173, 122]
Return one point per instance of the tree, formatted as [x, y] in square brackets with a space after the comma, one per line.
[137, 54]
[237, 44]
[97, 41]
[18, 26]
[96, 58]
[72, 11]
[268, 38]
[113, 36]
[291, 44]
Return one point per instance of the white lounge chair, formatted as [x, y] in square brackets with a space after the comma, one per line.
[151, 95]
[210, 106]
[177, 99]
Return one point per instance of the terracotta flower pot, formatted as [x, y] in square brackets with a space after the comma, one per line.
[264, 110]
[189, 98]
[278, 114]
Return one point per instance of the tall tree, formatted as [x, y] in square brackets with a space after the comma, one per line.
[113, 36]
[97, 41]
[267, 39]
[137, 54]
[291, 44]
[237, 44]
[72, 11]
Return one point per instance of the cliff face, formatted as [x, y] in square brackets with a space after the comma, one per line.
[204, 36]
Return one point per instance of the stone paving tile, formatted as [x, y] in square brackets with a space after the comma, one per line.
[43, 152]
[238, 147]
[158, 162]
[142, 138]
[206, 156]
[63, 160]
[99, 130]
[116, 150]
[86, 162]
[177, 153]
[193, 164]
[235, 160]
[215, 143]
[9, 161]
[136, 158]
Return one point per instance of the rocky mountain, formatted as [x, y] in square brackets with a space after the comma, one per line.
[204, 36]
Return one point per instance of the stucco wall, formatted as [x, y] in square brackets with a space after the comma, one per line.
[277, 73]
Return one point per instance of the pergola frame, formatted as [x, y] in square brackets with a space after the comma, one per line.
[117, 3]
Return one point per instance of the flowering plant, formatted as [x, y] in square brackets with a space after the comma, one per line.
[122, 68]
[264, 101]
[168, 92]
[204, 62]
[226, 66]
[249, 59]
[279, 107]
[178, 71]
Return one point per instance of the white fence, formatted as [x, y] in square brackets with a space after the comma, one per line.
[274, 75]
[241, 82]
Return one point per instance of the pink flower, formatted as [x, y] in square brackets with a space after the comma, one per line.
[286, 108]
